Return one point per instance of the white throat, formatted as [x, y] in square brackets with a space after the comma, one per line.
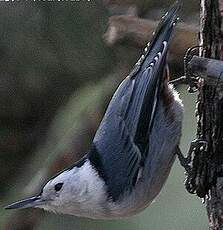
[84, 193]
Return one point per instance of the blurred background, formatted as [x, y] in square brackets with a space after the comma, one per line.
[60, 63]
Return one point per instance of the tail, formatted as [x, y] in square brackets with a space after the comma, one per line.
[150, 72]
[161, 35]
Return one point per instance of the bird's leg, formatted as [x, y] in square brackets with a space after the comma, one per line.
[186, 161]
[188, 77]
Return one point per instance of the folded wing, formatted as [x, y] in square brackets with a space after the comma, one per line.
[122, 139]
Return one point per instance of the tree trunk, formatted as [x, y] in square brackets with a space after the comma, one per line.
[210, 117]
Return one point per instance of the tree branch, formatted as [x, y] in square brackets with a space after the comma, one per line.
[206, 177]
[209, 69]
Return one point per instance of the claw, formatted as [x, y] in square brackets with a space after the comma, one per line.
[200, 144]
[188, 77]
[184, 161]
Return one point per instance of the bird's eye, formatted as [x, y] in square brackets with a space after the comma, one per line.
[58, 187]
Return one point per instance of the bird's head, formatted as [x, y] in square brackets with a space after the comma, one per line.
[57, 193]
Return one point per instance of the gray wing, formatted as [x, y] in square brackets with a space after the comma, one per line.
[118, 149]
[122, 139]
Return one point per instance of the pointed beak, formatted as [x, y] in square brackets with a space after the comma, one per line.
[26, 203]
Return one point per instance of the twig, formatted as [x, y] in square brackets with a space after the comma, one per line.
[206, 68]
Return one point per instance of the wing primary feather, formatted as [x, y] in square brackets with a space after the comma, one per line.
[168, 20]
[122, 140]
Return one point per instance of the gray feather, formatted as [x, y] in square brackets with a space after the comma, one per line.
[121, 144]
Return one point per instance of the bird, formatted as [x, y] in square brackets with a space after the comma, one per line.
[134, 147]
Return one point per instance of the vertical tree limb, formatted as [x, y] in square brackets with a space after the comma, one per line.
[210, 117]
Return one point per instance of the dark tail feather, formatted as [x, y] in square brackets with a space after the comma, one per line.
[165, 27]
[162, 33]
[155, 60]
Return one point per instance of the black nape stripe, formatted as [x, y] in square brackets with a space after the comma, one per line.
[77, 164]
[96, 161]
[113, 190]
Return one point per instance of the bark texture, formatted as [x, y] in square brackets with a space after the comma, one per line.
[208, 161]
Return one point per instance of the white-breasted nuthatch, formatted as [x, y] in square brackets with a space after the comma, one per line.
[133, 149]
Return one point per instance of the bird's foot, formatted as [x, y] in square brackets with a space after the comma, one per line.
[197, 144]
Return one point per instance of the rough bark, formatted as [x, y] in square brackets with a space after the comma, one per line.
[209, 161]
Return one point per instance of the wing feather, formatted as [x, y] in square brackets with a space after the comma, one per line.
[121, 141]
